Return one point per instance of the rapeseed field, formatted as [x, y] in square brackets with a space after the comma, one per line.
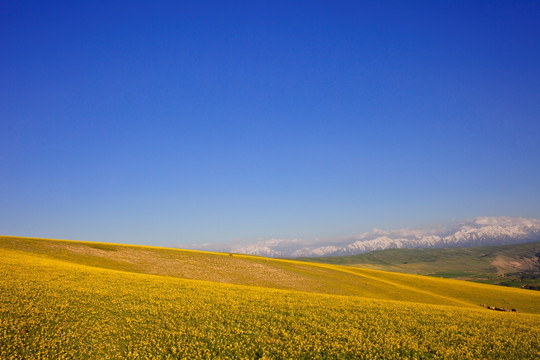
[51, 308]
[275, 273]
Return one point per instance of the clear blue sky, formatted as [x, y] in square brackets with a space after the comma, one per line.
[174, 122]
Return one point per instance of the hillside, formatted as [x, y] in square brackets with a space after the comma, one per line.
[65, 300]
[274, 273]
[508, 265]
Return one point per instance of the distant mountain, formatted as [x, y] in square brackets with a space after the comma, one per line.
[516, 265]
[481, 231]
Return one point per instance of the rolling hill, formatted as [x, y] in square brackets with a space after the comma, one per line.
[66, 299]
[509, 265]
[272, 273]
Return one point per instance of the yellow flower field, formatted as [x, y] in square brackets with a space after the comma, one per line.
[51, 309]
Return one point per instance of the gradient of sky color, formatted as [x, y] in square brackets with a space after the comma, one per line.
[167, 122]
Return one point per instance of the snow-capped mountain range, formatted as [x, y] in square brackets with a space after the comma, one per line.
[480, 231]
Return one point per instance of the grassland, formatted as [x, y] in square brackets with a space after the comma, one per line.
[507, 265]
[74, 300]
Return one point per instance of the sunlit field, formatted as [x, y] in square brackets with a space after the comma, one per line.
[52, 308]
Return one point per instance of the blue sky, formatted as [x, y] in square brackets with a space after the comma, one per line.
[163, 123]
